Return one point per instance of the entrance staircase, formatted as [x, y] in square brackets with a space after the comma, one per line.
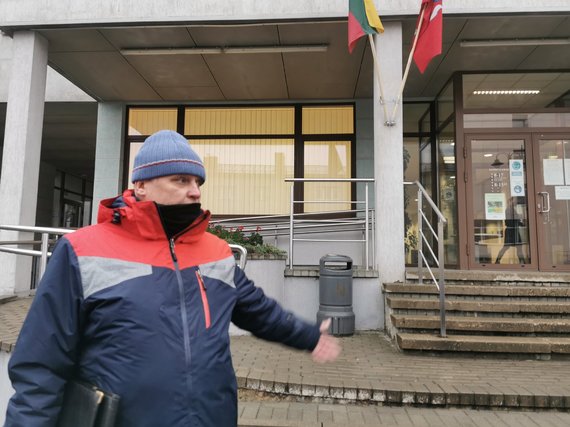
[486, 312]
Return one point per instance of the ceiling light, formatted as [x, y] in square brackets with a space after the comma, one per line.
[515, 42]
[507, 92]
[487, 155]
[216, 50]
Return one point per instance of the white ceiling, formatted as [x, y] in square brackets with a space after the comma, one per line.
[91, 59]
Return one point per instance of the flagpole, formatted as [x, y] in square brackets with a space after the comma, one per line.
[377, 74]
[416, 36]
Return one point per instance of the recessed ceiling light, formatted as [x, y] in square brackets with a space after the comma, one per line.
[507, 92]
[487, 155]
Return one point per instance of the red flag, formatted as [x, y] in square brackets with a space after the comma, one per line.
[430, 29]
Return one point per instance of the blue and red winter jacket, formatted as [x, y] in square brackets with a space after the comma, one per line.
[147, 318]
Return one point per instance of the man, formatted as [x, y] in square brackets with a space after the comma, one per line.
[140, 304]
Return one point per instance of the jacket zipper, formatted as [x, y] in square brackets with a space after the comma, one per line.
[205, 303]
[183, 312]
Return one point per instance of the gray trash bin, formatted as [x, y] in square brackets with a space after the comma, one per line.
[335, 293]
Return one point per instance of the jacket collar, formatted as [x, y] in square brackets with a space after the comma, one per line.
[142, 218]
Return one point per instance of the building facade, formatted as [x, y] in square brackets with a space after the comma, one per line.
[268, 91]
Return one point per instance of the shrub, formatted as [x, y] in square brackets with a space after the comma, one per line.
[253, 241]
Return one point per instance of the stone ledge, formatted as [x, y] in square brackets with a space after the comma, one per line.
[268, 257]
[400, 394]
[313, 271]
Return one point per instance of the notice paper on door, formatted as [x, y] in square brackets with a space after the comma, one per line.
[516, 177]
[562, 192]
[495, 205]
[553, 172]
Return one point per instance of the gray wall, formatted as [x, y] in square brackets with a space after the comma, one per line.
[24, 13]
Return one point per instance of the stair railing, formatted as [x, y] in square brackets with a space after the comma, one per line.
[439, 259]
[367, 223]
[43, 254]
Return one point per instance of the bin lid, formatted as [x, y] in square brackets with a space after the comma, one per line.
[339, 264]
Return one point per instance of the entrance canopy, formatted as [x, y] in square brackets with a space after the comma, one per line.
[275, 62]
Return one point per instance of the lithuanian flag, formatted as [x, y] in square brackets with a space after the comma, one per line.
[362, 19]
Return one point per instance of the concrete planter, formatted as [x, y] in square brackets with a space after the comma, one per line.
[267, 272]
[298, 291]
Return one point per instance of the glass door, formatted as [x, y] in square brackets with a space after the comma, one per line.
[500, 230]
[552, 189]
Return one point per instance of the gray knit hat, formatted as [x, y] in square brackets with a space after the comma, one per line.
[166, 153]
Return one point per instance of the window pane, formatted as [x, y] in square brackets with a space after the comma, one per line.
[134, 148]
[411, 174]
[243, 177]
[444, 102]
[327, 120]
[448, 191]
[240, 121]
[146, 121]
[246, 177]
[327, 159]
[416, 117]
[516, 120]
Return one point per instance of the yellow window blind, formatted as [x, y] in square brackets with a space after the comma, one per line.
[146, 121]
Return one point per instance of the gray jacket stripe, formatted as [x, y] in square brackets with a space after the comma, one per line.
[98, 273]
[222, 270]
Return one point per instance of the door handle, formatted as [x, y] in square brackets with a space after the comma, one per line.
[545, 202]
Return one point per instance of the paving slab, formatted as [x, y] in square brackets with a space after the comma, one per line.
[327, 415]
[371, 370]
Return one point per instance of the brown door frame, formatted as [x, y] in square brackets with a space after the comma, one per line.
[540, 242]
[467, 216]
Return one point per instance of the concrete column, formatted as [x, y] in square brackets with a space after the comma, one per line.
[21, 156]
[388, 158]
[108, 153]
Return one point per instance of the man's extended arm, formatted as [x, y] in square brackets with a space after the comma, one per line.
[265, 318]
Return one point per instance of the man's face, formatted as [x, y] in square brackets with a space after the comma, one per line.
[170, 190]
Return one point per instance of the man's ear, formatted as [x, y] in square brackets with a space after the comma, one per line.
[140, 191]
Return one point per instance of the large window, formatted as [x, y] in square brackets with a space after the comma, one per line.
[250, 151]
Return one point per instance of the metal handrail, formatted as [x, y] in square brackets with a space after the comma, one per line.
[439, 260]
[367, 213]
[46, 232]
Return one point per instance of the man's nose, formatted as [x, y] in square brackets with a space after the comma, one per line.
[194, 191]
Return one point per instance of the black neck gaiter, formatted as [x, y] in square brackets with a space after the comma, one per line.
[176, 218]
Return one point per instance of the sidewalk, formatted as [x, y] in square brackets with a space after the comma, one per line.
[373, 384]
[371, 370]
[291, 414]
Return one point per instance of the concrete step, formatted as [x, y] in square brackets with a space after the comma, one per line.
[498, 278]
[483, 324]
[485, 344]
[480, 306]
[480, 290]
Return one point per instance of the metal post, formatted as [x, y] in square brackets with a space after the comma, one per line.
[291, 233]
[420, 239]
[441, 258]
[43, 256]
[366, 226]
